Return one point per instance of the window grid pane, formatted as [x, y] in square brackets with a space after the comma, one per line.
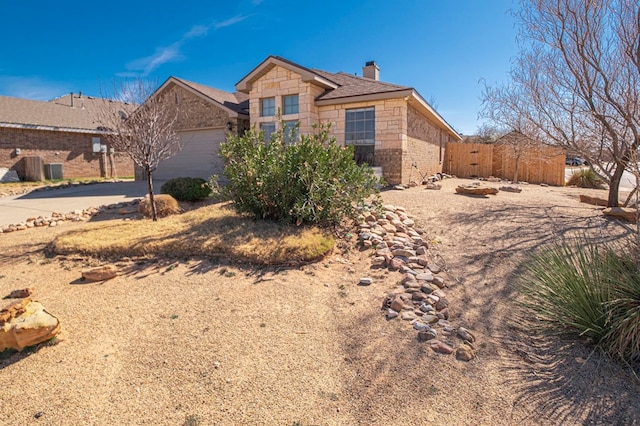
[290, 104]
[267, 107]
[291, 134]
[268, 129]
[360, 126]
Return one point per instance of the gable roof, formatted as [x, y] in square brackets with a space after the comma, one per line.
[342, 88]
[71, 113]
[268, 64]
[235, 103]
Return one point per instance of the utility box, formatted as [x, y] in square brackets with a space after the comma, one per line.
[53, 171]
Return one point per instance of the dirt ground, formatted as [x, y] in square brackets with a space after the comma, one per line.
[200, 342]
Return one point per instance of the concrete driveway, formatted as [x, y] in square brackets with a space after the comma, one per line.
[18, 208]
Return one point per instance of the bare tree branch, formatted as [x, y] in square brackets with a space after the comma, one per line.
[576, 82]
[142, 124]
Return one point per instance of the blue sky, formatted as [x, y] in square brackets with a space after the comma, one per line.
[442, 48]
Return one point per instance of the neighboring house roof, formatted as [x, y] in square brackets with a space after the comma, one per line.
[236, 103]
[342, 88]
[71, 113]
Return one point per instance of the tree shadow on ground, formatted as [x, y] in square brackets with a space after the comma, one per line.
[569, 382]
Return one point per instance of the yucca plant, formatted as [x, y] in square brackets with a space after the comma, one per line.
[585, 178]
[589, 290]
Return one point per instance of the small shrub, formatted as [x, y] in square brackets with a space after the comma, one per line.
[311, 181]
[165, 205]
[186, 188]
[592, 291]
[585, 178]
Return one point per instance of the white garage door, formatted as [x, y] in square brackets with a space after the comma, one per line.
[198, 158]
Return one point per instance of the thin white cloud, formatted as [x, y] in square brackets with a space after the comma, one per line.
[30, 88]
[230, 21]
[143, 67]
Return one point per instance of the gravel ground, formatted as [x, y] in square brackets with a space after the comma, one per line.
[198, 342]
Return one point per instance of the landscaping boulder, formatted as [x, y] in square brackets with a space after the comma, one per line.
[596, 201]
[21, 293]
[476, 190]
[627, 214]
[101, 273]
[26, 323]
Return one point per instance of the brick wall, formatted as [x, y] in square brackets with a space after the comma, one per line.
[425, 147]
[195, 112]
[73, 150]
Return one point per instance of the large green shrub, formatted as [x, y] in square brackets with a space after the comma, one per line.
[589, 290]
[186, 188]
[310, 181]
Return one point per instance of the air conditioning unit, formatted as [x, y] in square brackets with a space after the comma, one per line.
[53, 171]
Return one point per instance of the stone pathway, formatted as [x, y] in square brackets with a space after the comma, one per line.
[420, 298]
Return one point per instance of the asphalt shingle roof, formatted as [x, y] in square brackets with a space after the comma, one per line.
[58, 113]
[351, 85]
[237, 101]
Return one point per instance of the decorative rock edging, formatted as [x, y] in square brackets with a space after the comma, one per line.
[420, 298]
[60, 218]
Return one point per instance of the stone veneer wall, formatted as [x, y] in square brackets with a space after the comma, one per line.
[391, 124]
[279, 82]
[73, 150]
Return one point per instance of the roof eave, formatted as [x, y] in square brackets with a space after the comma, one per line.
[365, 98]
[432, 113]
[26, 126]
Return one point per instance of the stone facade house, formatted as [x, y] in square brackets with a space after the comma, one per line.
[390, 126]
[57, 139]
[206, 116]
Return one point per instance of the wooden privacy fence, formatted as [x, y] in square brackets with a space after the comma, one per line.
[543, 164]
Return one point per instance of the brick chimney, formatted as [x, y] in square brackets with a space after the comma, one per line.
[371, 70]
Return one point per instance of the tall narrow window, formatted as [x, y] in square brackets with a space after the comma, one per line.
[360, 131]
[268, 129]
[290, 104]
[291, 134]
[267, 107]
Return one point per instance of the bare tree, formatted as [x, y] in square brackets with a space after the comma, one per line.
[576, 82]
[488, 133]
[143, 125]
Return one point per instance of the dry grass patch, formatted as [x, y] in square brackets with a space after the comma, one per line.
[214, 230]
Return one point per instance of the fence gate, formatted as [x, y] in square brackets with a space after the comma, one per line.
[538, 165]
[469, 160]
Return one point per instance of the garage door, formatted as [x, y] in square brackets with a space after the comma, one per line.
[198, 157]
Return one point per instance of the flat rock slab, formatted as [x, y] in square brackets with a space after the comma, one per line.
[596, 201]
[20, 294]
[101, 273]
[621, 212]
[476, 190]
[26, 323]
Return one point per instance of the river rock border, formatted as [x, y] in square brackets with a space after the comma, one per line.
[420, 297]
[123, 208]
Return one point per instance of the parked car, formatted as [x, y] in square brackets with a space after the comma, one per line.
[575, 161]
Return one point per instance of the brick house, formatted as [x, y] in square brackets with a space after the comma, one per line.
[63, 132]
[390, 126]
[207, 115]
